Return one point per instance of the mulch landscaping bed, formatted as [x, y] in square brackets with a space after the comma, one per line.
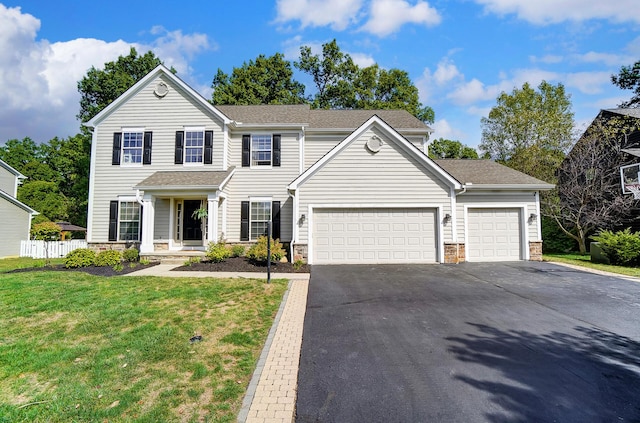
[241, 264]
[93, 270]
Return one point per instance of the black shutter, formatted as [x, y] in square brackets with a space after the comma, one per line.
[246, 150]
[208, 147]
[276, 150]
[113, 221]
[146, 153]
[179, 147]
[244, 221]
[275, 219]
[117, 143]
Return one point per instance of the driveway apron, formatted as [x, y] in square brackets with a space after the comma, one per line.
[507, 342]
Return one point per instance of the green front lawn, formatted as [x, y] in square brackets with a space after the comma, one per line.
[75, 347]
[585, 261]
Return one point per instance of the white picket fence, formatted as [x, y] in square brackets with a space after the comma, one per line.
[50, 249]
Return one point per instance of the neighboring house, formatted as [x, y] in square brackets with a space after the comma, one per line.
[15, 220]
[339, 186]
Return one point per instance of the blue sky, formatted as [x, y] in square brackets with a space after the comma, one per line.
[460, 53]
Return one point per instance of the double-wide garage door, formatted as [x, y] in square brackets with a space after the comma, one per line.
[494, 235]
[393, 235]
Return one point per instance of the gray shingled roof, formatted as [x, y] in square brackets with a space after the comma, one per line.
[270, 113]
[319, 118]
[185, 179]
[633, 112]
[486, 172]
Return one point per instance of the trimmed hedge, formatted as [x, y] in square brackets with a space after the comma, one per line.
[108, 258]
[81, 257]
[218, 252]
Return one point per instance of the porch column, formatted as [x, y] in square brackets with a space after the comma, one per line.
[212, 217]
[148, 223]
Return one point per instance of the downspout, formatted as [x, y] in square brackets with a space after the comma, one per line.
[294, 223]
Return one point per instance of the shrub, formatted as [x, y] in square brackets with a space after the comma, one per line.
[258, 251]
[297, 265]
[130, 255]
[554, 240]
[108, 258]
[46, 231]
[81, 257]
[218, 252]
[622, 247]
[237, 250]
[190, 261]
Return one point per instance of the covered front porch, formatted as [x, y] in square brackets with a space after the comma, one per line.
[182, 211]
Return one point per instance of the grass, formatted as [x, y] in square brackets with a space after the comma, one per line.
[25, 262]
[585, 261]
[76, 347]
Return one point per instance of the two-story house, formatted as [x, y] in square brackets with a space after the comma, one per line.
[15, 223]
[171, 172]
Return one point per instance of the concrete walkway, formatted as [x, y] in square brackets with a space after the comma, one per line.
[271, 395]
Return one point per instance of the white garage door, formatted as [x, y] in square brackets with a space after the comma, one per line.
[374, 236]
[494, 235]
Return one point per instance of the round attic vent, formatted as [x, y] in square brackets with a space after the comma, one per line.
[161, 89]
[374, 144]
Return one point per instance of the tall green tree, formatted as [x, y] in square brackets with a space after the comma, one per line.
[530, 130]
[17, 153]
[448, 149]
[45, 198]
[267, 80]
[341, 84]
[99, 87]
[628, 78]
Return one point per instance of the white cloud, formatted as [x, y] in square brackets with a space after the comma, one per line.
[431, 84]
[443, 129]
[608, 59]
[588, 82]
[544, 12]
[38, 79]
[338, 14]
[549, 59]
[363, 60]
[387, 16]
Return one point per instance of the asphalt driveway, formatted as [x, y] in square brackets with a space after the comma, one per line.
[509, 342]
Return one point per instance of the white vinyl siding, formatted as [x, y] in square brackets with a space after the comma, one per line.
[161, 224]
[267, 181]
[14, 227]
[356, 176]
[372, 235]
[163, 116]
[494, 235]
[8, 182]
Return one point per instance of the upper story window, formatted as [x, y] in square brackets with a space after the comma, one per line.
[194, 146]
[261, 150]
[132, 146]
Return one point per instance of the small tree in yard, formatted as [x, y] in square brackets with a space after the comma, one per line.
[588, 196]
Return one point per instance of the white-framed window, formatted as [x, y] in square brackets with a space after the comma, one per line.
[261, 153]
[194, 145]
[129, 221]
[259, 217]
[132, 146]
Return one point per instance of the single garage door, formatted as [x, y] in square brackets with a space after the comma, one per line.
[494, 235]
[374, 236]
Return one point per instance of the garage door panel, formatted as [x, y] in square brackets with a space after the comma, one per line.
[374, 236]
[494, 235]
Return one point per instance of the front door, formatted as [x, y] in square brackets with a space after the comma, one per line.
[192, 225]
